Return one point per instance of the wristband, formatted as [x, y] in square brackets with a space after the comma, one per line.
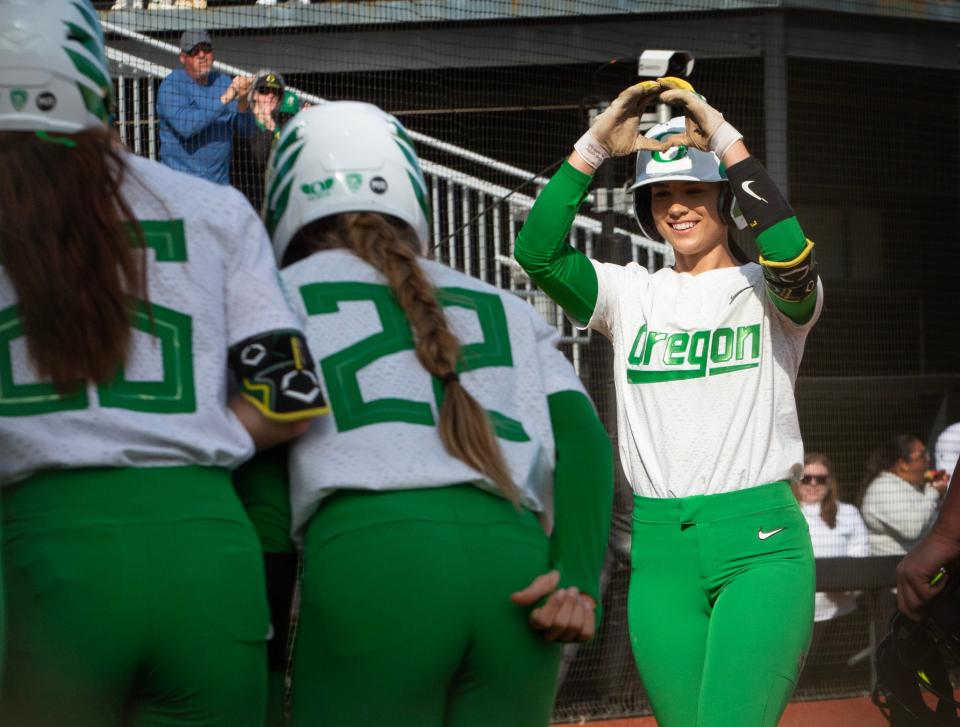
[591, 150]
[723, 138]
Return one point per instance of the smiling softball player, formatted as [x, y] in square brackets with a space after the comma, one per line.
[706, 353]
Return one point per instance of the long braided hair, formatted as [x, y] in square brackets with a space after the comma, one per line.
[391, 246]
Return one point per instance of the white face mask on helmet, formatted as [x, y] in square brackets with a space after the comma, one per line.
[679, 164]
[53, 67]
[344, 156]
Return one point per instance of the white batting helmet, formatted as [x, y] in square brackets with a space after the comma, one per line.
[53, 67]
[679, 163]
[343, 156]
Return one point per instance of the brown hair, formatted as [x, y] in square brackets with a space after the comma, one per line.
[67, 248]
[828, 506]
[885, 457]
[391, 246]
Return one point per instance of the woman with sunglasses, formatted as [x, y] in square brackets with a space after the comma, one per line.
[901, 495]
[837, 531]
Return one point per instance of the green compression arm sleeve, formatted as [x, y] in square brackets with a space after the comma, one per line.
[582, 492]
[261, 485]
[787, 257]
[562, 272]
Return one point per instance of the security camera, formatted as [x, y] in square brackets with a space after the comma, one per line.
[658, 63]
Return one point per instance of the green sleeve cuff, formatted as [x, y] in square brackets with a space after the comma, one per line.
[560, 270]
[799, 312]
[790, 271]
[575, 175]
[782, 242]
[582, 493]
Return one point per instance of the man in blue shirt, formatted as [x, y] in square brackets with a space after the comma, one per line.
[199, 110]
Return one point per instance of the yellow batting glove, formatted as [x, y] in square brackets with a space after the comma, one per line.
[674, 82]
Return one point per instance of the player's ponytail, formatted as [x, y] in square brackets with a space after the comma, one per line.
[464, 427]
[66, 246]
[391, 247]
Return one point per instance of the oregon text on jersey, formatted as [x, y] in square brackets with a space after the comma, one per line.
[680, 355]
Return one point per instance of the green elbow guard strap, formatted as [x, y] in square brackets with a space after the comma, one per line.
[276, 375]
[794, 280]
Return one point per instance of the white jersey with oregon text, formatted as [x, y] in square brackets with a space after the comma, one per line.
[212, 283]
[704, 367]
[382, 431]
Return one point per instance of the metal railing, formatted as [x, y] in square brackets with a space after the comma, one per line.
[474, 221]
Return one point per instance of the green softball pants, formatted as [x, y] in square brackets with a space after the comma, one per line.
[134, 597]
[720, 605]
[406, 618]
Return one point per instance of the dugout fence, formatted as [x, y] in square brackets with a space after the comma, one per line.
[474, 221]
[854, 107]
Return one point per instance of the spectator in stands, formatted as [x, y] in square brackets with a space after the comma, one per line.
[199, 111]
[917, 580]
[837, 531]
[946, 451]
[272, 106]
[901, 495]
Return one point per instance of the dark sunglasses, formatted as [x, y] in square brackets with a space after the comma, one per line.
[200, 48]
[814, 479]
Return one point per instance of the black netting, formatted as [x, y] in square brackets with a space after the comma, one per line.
[853, 110]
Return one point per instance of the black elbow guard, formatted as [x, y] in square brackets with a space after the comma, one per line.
[276, 375]
[795, 279]
[759, 199]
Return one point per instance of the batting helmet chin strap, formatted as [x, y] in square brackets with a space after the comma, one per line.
[911, 660]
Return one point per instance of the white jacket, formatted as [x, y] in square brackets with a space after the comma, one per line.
[897, 514]
[847, 539]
